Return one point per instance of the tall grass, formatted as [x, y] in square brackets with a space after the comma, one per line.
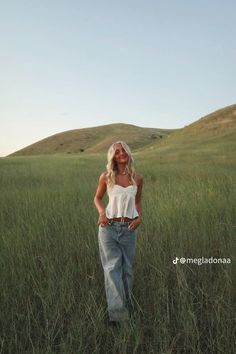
[52, 286]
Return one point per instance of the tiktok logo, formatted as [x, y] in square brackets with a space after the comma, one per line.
[175, 261]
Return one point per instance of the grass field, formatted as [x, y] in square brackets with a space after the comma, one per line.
[52, 286]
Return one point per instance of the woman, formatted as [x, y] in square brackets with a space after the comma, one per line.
[117, 227]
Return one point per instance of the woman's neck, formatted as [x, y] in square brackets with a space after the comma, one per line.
[121, 170]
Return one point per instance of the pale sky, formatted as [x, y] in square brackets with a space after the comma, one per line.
[69, 64]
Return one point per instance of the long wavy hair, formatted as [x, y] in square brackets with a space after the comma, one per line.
[112, 168]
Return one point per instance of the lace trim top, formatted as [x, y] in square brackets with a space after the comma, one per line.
[121, 202]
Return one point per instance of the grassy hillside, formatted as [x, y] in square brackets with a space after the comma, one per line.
[96, 139]
[212, 137]
[217, 127]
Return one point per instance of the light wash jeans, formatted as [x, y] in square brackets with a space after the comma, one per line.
[117, 248]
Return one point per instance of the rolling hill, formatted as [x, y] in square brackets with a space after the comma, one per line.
[213, 129]
[96, 139]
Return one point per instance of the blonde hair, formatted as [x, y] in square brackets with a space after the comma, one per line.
[112, 167]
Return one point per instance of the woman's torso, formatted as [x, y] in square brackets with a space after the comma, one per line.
[122, 199]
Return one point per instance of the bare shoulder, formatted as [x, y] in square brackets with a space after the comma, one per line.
[103, 177]
[139, 179]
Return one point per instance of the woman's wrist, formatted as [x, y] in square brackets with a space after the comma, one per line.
[101, 213]
[139, 218]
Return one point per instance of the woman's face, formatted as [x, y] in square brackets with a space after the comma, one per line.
[121, 155]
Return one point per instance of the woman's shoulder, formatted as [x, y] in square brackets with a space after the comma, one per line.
[103, 177]
[138, 179]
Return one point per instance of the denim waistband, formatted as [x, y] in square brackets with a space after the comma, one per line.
[119, 222]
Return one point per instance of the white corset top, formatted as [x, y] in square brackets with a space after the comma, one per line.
[121, 202]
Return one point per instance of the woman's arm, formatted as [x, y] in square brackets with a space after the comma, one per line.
[134, 224]
[139, 196]
[101, 189]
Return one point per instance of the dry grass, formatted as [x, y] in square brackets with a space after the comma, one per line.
[97, 139]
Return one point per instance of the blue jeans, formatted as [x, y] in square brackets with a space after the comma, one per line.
[117, 248]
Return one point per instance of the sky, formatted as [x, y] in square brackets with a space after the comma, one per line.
[70, 64]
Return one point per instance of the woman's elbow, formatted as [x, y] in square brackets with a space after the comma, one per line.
[96, 200]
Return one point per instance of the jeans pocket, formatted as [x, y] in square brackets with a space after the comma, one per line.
[102, 227]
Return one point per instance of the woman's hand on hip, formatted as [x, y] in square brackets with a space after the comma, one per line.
[135, 223]
[103, 220]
